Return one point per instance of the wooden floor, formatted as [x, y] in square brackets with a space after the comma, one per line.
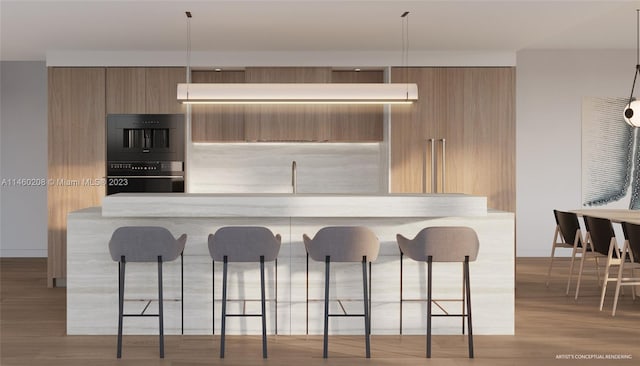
[549, 326]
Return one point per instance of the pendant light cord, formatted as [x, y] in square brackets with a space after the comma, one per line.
[635, 76]
[188, 13]
[405, 49]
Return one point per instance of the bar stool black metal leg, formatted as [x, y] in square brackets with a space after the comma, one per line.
[429, 272]
[223, 319]
[160, 307]
[401, 255]
[181, 294]
[326, 308]
[468, 287]
[307, 292]
[264, 311]
[213, 297]
[367, 330]
[121, 268]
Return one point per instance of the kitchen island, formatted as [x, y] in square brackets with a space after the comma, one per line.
[92, 294]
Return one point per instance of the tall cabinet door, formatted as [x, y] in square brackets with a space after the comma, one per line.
[472, 110]
[76, 153]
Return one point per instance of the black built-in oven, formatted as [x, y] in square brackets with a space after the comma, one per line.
[145, 153]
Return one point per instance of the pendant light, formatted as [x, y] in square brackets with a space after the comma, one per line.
[293, 93]
[632, 109]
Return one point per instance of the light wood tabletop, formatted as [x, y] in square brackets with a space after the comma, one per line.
[615, 215]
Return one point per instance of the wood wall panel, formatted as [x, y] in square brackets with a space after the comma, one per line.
[212, 122]
[126, 90]
[287, 122]
[358, 122]
[161, 89]
[76, 149]
[473, 110]
[489, 135]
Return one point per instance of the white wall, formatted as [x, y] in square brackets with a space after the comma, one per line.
[23, 136]
[550, 85]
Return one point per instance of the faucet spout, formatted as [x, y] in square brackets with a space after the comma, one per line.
[294, 178]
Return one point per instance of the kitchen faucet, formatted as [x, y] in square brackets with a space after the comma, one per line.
[294, 180]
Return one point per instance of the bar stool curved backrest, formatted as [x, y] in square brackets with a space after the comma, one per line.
[244, 244]
[344, 244]
[444, 244]
[630, 250]
[143, 244]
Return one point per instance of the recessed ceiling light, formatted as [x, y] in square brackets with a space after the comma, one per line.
[217, 69]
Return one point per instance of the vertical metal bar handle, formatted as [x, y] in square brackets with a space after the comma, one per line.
[434, 170]
[424, 165]
[444, 165]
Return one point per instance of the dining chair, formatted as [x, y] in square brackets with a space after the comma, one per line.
[603, 234]
[603, 239]
[631, 249]
[567, 235]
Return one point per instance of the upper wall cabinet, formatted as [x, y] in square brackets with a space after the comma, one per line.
[357, 122]
[278, 122]
[333, 123]
[213, 122]
[144, 89]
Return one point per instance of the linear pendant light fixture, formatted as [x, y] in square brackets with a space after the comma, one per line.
[294, 93]
[632, 109]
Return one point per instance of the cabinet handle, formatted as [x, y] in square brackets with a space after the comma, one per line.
[431, 143]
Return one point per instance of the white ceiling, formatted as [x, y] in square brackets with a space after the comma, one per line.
[30, 29]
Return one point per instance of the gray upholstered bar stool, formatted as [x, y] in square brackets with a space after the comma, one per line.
[444, 244]
[244, 244]
[344, 244]
[144, 244]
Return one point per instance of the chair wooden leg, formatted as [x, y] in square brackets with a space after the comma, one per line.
[553, 252]
[574, 251]
[223, 318]
[583, 257]
[367, 330]
[160, 308]
[264, 311]
[429, 276]
[618, 284]
[325, 341]
[605, 281]
[121, 268]
[468, 287]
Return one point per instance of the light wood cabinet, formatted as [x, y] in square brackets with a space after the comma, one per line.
[473, 109]
[144, 89]
[357, 122]
[76, 146]
[278, 122]
[212, 122]
[162, 89]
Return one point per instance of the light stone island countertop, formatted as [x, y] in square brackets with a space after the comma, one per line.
[292, 205]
